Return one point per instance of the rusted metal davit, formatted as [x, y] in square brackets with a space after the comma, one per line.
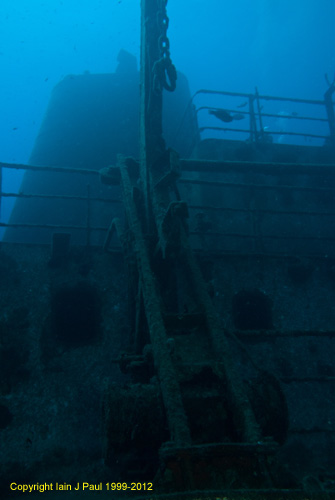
[188, 420]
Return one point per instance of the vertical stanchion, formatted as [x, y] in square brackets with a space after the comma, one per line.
[259, 110]
[0, 189]
[88, 218]
[253, 129]
[330, 111]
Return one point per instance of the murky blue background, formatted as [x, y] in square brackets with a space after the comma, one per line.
[283, 47]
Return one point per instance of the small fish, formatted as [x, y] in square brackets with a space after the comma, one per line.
[224, 115]
[243, 105]
[14, 128]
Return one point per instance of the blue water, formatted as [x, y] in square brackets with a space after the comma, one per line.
[283, 47]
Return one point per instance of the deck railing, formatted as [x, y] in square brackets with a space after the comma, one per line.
[87, 200]
[252, 108]
[259, 240]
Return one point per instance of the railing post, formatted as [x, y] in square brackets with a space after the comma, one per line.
[259, 110]
[330, 111]
[0, 189]
[253, 128]
[88, 219]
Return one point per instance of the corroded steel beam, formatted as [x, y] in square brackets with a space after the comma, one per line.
[151, 102]
[169, 385]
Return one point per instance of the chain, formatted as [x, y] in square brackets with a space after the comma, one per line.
[165, 74]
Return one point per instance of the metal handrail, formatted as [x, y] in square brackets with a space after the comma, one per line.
[267, 115]
[257, 186]
[261, 134]
[51, 226]
[208, 234]
[58, 197]
[261, 97]
[45, 168]
[88, 199]
[266, 132]
[307, 213]
[53, 169]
